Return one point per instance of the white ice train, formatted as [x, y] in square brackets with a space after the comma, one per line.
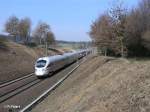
[46, 65]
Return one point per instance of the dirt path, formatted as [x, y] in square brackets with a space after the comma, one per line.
[103, 85]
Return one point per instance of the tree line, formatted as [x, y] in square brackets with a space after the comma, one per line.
[21, 28]
[122, 32]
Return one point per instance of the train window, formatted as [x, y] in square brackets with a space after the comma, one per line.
[50, 64]
[40, 63]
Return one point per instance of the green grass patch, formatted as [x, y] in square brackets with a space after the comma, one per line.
[3, 45]
[31, 44]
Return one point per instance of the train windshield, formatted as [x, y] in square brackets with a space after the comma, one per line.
[40, 63]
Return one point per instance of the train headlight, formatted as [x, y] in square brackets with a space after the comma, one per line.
[43, 69]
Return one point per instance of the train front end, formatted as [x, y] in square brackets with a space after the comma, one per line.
[41, 67]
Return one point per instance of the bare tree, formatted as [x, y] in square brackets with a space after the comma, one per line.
[137, 27]
[100, 33]
[50, 38]
[25, 29]
[124, 32]
[108, 31]
[11, 26]
[144, 11]
[40, 32]
[118, 17]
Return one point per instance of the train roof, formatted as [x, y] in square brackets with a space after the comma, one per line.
[51, 58]
[56, 57]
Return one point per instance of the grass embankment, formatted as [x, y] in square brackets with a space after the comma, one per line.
[3, 45]
[17, 60]
[103, 84]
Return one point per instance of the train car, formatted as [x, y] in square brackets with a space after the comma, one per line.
[46, 65]
[83, 53]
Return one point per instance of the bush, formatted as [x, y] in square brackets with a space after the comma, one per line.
[3, 45]
[31, 44]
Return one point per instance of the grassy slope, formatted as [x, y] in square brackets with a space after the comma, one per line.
[103, 86]
[17, 60]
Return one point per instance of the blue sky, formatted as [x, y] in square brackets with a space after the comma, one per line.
[69, 19]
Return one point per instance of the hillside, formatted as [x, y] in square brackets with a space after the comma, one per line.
[17, 60]
[73, 45]
[103, 84]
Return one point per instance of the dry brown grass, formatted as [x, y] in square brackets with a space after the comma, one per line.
[18, 60]
[103, 85]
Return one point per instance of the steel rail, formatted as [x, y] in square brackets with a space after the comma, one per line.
[19, 90]
[29, 106]
[16, 80]
[11, 90]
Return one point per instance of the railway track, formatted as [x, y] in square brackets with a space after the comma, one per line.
[11, 90]
[30, 89]
[13, 81]
[32, 104]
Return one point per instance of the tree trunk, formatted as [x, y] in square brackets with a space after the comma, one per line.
[40, 41]
[105, 51]
[122, 49]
